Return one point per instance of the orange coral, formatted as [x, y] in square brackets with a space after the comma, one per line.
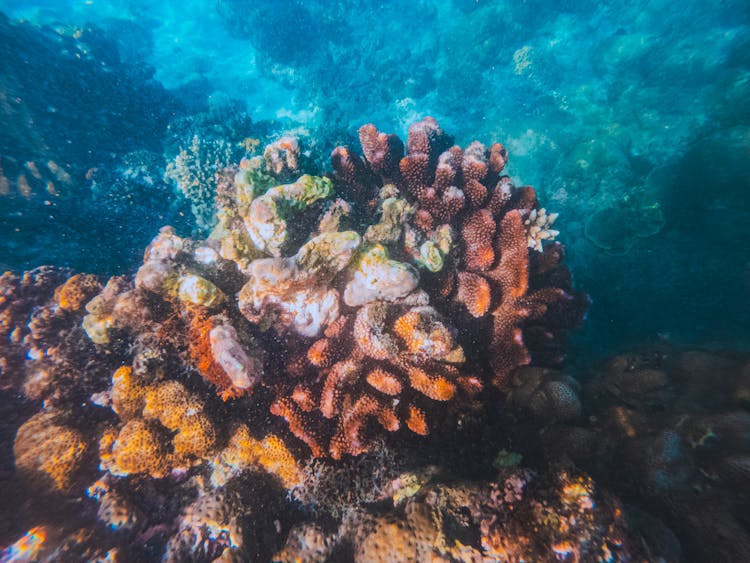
[270, 453]
[49, 453]
[381, 367]
[77, 291]
[216, 351]
[164, 427]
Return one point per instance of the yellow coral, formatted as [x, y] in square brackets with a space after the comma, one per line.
[270, 453]
[48, 452]
[138, 448]
[165, 427]
[75, 292]
[127, 394]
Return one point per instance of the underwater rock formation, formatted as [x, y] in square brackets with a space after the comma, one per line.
[669, 428]
[521, 516]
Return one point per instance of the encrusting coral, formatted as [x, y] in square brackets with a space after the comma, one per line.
[49, 452]
[520, 516]
[164, 427]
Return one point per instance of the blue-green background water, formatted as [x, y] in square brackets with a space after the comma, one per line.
[632, 119]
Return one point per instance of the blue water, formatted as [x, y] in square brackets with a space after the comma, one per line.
[631, 119]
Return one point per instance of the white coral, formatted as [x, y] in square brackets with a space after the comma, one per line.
[539, 228]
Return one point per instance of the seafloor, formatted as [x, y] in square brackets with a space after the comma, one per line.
[357, 333]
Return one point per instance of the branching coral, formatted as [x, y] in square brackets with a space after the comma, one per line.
[387, 365]
[501, 271]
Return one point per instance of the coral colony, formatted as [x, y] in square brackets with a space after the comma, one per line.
[279, 358]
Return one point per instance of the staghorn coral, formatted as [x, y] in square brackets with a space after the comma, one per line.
[502, 274]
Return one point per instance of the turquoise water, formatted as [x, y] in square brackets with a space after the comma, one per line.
[631, 120]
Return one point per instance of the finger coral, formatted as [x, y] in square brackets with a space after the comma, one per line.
[387, 366]
[502, 272]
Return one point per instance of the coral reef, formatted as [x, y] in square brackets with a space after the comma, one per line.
[232, 523]
[520, 517]
[337, 303]
[360, 308]
[42, 347]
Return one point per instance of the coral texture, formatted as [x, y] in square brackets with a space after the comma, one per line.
[164, 427]
[49, 453]
[520, 517]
